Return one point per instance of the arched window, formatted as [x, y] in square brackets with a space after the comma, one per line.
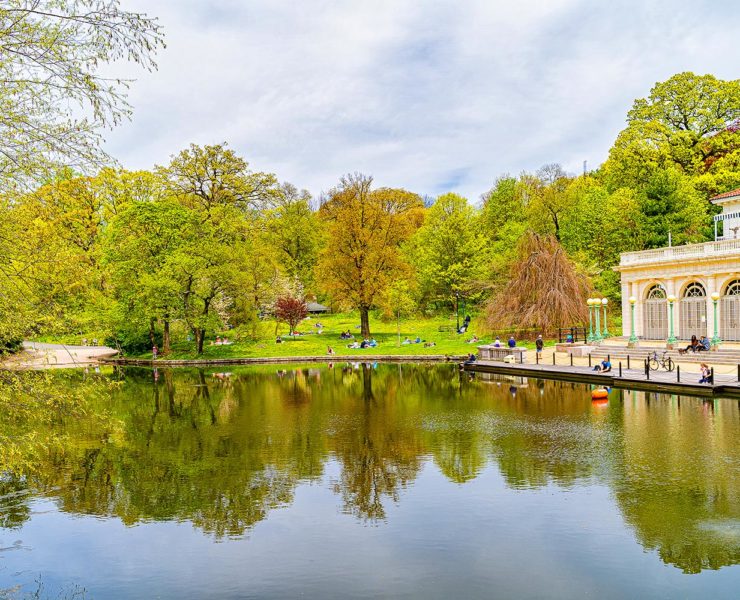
[656, 292]
[694, 290]
[733, 288]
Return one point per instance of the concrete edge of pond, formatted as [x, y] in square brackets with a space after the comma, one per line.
[631, 381]
[205, 362]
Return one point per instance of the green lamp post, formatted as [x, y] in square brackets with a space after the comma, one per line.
[604, 302]
[590, 303]
[597, 322]
[633, 336]
[716, 339]
[671, 338]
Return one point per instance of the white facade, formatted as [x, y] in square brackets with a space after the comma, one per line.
[690, 274]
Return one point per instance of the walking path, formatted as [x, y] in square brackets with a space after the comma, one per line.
[675, 382]
[37, 355]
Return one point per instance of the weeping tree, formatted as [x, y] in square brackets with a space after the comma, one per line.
[545, 289]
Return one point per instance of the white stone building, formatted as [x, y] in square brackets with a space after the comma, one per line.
[691, 274]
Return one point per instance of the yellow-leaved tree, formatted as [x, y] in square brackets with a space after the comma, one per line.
[365, 228]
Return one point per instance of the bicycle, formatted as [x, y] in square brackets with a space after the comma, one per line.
[664, 362]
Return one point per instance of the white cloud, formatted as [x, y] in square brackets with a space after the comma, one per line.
[432, 96]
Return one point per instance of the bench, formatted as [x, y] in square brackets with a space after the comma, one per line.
[490, 352]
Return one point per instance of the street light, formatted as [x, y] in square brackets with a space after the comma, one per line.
[715, 339]
[604, 302]
[671, 338]
[633, 337]
[597, 312]
[590, 337]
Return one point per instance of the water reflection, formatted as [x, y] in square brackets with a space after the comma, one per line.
[222, 449]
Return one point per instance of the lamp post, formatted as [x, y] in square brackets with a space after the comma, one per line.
[715, 340]
[590, 303]
[597, 314]
[633, 337]
[604, 302]
[671, 338]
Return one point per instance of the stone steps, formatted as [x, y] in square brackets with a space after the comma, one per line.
[728, 357]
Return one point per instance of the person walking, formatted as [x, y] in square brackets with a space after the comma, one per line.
[155, 351]
[540, 344]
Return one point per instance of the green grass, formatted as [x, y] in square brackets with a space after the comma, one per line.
[313, 344]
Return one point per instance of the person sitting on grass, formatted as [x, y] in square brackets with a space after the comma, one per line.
[364, 343]
[705, 373]
[372, 343]
[473, 340]
[406, 341]
[354, 345]
[279, 340]
[604, 367]
[429, 344]
[417, 340]
[329, 350]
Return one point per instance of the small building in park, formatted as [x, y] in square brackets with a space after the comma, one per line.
[314, 308]
[691, 277]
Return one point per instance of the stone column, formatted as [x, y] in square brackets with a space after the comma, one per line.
[626, 293]
[711, 288]
[639, 293]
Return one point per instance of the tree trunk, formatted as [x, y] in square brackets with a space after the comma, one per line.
[398, 327]
[166, 336]
[200, 336]
[152, 340]
[365, 321]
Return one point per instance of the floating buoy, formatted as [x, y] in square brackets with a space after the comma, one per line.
[599, 394]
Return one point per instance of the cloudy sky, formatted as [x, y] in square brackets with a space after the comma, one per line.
[433, 96]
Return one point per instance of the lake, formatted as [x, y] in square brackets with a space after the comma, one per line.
[377, 480]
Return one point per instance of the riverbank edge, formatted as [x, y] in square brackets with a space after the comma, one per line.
[545, 372]
[266, 360]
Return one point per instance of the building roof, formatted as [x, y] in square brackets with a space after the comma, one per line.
[726, 195]
[314, 307]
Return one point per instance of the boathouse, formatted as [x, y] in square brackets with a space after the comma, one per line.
[696, 279]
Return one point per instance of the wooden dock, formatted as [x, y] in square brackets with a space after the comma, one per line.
[726, 386]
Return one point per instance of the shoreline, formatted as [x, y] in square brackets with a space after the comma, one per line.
[204, 362]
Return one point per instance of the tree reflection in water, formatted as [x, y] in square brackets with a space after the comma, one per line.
[221, 450]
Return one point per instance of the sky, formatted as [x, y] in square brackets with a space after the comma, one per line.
[432, 96]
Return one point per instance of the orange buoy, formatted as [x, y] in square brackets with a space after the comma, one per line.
[599, 394]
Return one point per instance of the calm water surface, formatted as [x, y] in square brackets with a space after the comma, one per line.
[362, 481]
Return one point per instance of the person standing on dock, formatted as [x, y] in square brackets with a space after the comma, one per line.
[512, 342]
[539, 344]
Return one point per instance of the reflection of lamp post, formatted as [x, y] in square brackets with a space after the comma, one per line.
[604, 302]
[671, 338]
[633, 337]
[715, 339]
[590, 303]
[597, 313]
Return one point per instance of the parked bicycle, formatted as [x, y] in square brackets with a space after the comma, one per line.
[663, 362]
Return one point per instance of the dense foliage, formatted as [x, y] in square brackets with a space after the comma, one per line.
[204, 244]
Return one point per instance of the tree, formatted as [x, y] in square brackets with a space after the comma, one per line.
[290, 310]
[449, 251]
[688, 121]
[545, 289]
[52, 51]
[398, 301]
[366, 228]
[547, 202]
[293, 229]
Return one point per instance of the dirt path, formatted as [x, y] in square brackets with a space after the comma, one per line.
[36, 355]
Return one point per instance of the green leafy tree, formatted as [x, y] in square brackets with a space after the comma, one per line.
[53, 97]
[449, 251]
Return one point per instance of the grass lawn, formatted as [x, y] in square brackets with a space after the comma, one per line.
[314, 344]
